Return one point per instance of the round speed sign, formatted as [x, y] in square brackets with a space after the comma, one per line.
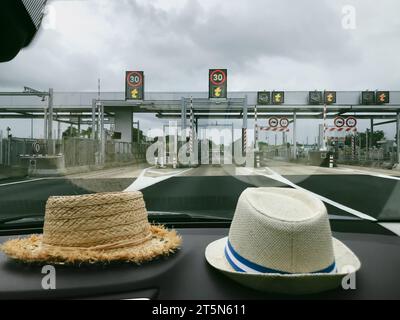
[217, 77]
[284, 122]
[134, 79]
[351, 122]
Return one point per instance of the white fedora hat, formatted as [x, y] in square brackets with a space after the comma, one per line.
[280, 240]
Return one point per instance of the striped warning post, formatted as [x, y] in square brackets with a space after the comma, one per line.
[342, 129]
[275, 129]
[191, 135]
[244, 140]
[325, 126]
[353, 147]
[255, 127]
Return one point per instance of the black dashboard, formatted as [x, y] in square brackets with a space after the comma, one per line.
[186, 274]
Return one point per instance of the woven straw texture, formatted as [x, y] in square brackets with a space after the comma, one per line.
[93, 228]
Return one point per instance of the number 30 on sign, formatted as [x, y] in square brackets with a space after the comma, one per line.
[217, 83]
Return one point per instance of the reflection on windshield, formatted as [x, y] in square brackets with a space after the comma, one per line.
[193, 133]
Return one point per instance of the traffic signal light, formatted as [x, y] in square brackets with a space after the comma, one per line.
[330, 97]
[278, 97]
[315, 97]
[263, 98]
[368, 98]
[382, 97]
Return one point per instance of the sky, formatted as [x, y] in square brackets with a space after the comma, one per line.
[265, 44]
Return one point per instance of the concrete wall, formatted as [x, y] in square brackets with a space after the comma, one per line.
[123, 124]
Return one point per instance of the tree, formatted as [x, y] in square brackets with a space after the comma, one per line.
[87, 133]
[135, 135]
[70, 132]
[377, 136]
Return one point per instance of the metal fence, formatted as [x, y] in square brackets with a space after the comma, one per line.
[76, 151]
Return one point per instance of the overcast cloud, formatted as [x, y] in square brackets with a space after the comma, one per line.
[265, 44]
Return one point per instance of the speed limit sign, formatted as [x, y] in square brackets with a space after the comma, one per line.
[134, 85]
[284, 122]
[273, 122]
[339, 122]
[351, 122]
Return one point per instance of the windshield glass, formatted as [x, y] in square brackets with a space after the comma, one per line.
[192, 102]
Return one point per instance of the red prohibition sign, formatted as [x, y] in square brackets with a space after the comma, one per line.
[284, 122]
[339, 122]
[217, 83]
[351, 122]
[273, 122]
[138, 74]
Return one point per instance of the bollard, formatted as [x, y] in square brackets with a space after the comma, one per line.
[331, 161]
[174, 162]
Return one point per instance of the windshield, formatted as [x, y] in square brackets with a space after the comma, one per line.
[192, 102]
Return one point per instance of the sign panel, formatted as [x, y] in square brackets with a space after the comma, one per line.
[284, 122]
[134, 85]
[263, 98]
[273, 122]
[330, 97]
[315, 97]
[339, 122]
[368, 98]
[382, 97]
[351, 122]
[278, 97]
[218, 84]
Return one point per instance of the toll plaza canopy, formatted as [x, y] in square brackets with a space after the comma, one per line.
[69, 106]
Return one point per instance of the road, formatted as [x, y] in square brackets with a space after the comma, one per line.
[346, 191]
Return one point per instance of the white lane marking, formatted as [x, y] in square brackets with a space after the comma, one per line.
[379, 175]
[143, 182]
[391, 226]
[23, 181]
[371, 173]
[276, 176]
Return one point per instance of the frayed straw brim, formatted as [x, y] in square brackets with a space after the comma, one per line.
[29, 250]
[286, 283]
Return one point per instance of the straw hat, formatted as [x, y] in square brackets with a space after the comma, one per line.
[280, 241]
[101, 227]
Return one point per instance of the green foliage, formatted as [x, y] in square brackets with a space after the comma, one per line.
[377, 136]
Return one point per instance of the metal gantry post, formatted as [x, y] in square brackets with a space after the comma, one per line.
[93, 133]
[372, 133]
[324, 136]
[295, 135]
[191, 133]
[45, 126]
[1, 146]
[103, 136]
[255, 128]
[50, 142]
[398, 137]
[183, 120]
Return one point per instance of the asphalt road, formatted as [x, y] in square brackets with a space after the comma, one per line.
[211, 190]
